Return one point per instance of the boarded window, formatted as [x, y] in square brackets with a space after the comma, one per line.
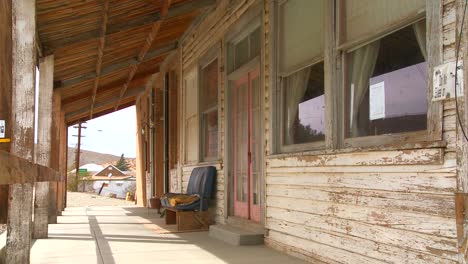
[191, 117]
[387, 84]
[209, 110]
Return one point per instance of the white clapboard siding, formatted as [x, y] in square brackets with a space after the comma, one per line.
[443, 183]
[358, 245]
[434, 225]
[439, 205]
[390, 236]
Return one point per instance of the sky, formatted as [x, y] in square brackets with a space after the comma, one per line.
[114, 134]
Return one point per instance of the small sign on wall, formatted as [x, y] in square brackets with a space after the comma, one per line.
[444, 81]
[2, 128]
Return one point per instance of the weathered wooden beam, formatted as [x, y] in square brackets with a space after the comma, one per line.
[84, 110]
[43, 148]
[133, 25]
[100, 113]
[116, 67]
[20, 200]
[100, 53]
[16, 170]
[144, 50]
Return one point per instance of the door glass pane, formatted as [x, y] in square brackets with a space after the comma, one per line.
[241, 142]
[256, 139]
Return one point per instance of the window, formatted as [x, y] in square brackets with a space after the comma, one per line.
[301, 68]
[385, 78]
[245, 49]
[191, 117]
[209, 110]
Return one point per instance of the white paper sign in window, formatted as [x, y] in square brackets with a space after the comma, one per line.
[377, 101]
[2, 128]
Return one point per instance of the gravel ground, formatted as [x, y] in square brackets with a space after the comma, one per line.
[2, 228]
[78, 199]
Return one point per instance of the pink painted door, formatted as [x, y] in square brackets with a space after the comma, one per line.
[247, 143]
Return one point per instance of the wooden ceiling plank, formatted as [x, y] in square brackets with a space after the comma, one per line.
[102, 43]
[144, 50]
[131, 93]
[143, 21]
[140, 79]
[117, 66]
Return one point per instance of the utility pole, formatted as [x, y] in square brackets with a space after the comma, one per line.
[78, 152]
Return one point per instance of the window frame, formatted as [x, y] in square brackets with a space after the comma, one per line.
[207, 59]
[433, 131]
[190, 73]
[328, 58]
[335, 77]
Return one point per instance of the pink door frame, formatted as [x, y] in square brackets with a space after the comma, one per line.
[246, 209]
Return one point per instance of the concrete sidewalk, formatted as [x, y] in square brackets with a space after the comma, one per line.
[133, 235]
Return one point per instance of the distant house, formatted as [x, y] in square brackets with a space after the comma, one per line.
[110, 171]
[111, 180]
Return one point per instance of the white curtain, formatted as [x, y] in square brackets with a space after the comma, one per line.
[420, 32]
[362, 67]
[296, 86]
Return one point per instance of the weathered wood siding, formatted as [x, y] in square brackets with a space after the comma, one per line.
[349, 206]
[375, 206]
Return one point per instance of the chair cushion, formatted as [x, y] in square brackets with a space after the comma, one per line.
[175, 199]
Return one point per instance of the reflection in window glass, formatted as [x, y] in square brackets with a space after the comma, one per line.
[304, 106]
[210, 126]
[387, 83]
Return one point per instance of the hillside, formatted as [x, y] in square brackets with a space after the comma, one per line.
[96, 157]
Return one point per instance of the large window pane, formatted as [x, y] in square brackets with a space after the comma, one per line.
[301, 39]
[304, 106]
[387, 84]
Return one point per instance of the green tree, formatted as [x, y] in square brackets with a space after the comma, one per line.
[122, 164]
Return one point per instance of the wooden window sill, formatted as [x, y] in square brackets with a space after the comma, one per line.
[388, 147]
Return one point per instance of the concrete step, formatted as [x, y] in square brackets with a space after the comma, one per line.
[235, 235]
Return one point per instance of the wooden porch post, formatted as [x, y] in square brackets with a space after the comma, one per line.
[61, 188]
[55, 156]
[43, 150]
[5, 93]
[22, 145]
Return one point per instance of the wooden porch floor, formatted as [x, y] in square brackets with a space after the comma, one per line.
[137, 235]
